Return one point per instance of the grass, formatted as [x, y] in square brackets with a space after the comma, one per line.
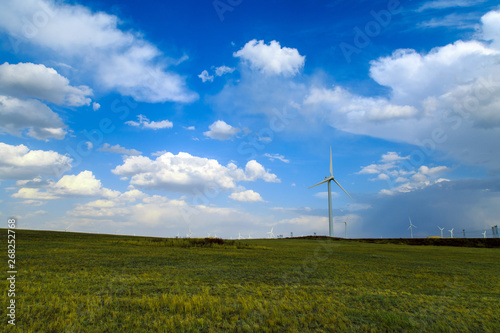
[71, 282]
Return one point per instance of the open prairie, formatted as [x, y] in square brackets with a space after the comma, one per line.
[72, 282]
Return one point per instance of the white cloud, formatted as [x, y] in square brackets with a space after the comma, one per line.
[348, 108]
[117, 149]
[28, 80]
[219, 130]
[41, 122]
[457, 21]
[445, 100]
[34, 194]
[271, 59]
[443, 4]
[83, 184]
[187, 173]
[19, 162]
[118, 60]
[273, 157]
[204, 76]
[145, 123]
[222, 70]
[491, 28]
[395, 170]
[96, 106]
[246, 196]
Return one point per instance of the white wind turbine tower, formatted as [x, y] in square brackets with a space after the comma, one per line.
[68, 227]
[239, 235]
[249, 236]
[188, 235]
[411, 228]
[328, 180]
[345, 222]
[441, 231]
[451, 232]
[484, 234]
[270, 233]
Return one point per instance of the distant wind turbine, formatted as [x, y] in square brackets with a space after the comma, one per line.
[249, 236]
[345, 223]
[188, 235]
[239, 235]
[411, 228]
[270, 233]
[451, 232]
[441, 231]
[484, 234]
[328, 180]
[68, 227]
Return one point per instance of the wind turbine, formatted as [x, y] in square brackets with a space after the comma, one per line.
[328, 180]
[248, 235]
[484, 234]
[411, 227]
[239, 235]
[68, 227]
[270, 233]
[451, 232]
[188, 235]
[441, 231]
[208, 234]
[345, 222]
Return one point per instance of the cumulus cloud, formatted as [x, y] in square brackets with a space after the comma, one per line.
[19, 162]
[344, 106]
[145, 123]
[219, 130]
[246, 196]
[117, 149]
[28, 80]
[122, 61]
[83, 184]
[38, 119]
[186, 173]
[446, 98]
[271, 59]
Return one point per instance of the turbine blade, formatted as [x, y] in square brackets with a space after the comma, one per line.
[331, 164]
[336, 182]
[324, 181]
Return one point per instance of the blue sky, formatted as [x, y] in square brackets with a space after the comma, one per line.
[156, 119]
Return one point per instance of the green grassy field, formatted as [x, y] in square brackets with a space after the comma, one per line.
[70, 282]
